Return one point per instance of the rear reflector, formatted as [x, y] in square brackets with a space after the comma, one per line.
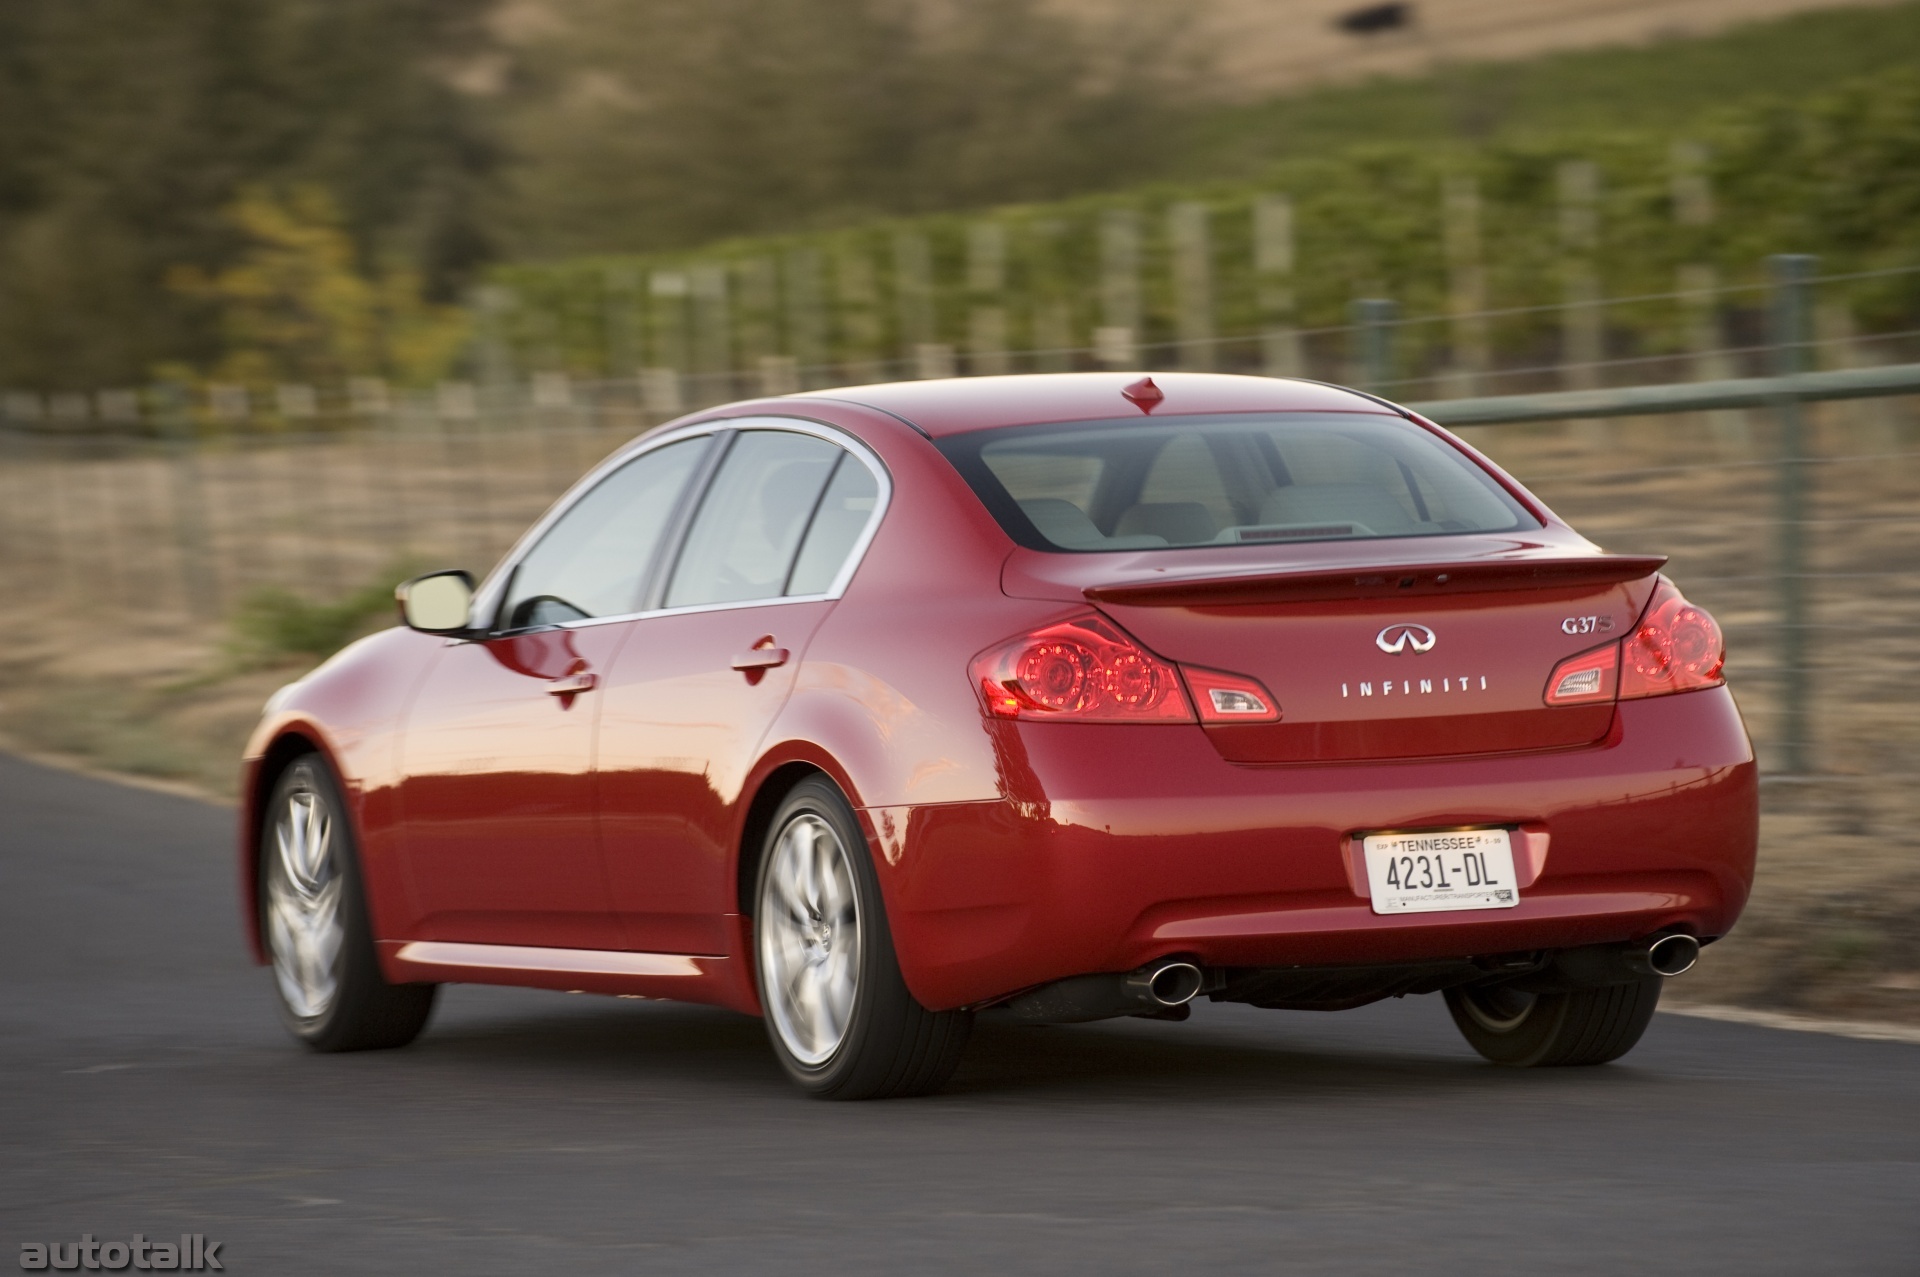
[1230, 698]
[1585, 679]
[1083, 670]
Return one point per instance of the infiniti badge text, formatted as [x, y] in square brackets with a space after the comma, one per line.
[1420, 686]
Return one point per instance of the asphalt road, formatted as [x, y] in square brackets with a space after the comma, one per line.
[145, 1086]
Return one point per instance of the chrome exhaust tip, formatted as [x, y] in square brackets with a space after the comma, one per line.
[1159, 989]
[1673, 955]
[1167, 984]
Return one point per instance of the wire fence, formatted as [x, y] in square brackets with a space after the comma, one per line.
[1798, 525]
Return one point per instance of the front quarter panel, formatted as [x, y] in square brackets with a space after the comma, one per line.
[350, 711]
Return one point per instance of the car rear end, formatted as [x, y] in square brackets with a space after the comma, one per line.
[1327, 709]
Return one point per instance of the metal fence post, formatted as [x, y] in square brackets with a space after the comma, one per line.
[196, 579]
[1373, 341]
[1189, 233]
[1466, 285]
[1583, 340]
[1790, 316]
[806, 317]
[713, 346]
[1050, 297]
[986, 295]
[1117, 341]
[1273, 269]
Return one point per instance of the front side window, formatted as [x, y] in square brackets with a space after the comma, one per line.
[1228, 480]
[593, 561]
[746, 540]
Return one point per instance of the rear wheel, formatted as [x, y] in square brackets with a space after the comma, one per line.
[841, 1020]
[314, 918]
[1544, 1030]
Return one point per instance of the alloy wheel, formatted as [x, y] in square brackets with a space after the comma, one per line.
[305, 929]
[810, 939]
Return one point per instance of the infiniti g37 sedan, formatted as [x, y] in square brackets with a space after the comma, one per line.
[1059, 698]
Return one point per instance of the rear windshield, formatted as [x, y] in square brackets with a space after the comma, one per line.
[1160, 484]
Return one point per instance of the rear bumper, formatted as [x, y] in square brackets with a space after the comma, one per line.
[1118, 845]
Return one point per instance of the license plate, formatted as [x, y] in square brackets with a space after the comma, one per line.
[1441, 869]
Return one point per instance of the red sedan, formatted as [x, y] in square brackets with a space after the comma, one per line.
[1055, 697]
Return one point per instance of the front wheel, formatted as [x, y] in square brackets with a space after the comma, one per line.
[1545, 1030]
[314, 918]
[841, 1020]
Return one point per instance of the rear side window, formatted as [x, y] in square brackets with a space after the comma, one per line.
[780, 517]
[844, 513]
[1239, 480]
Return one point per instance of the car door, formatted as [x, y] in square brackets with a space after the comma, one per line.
[500, 835]
[697, 686]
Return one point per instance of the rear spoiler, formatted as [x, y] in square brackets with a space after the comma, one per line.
[1377, 582]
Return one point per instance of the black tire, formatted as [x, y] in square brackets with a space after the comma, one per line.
[888, 1045]
[1550, 1030]
[330, 991]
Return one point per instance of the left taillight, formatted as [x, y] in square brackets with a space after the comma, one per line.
[1082, 670]
[1676, 647]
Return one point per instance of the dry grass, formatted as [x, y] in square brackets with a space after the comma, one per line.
[1834, 923]
[120, 675]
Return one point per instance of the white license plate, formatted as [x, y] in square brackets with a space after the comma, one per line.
[1441, 869]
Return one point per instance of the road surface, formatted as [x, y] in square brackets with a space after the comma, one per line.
[146, 1087]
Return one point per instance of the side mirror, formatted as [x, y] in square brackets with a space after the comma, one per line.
[437, 603]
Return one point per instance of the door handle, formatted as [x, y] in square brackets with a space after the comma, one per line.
[572, 684]
[761, 658]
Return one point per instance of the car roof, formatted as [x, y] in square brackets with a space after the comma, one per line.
[956, 405]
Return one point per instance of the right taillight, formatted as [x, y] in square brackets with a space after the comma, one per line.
[1677, 647]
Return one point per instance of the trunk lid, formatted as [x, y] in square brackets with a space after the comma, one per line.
[1374, 653]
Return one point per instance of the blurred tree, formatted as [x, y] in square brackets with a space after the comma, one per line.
[297, 306]
[128, 127]
[642, 124]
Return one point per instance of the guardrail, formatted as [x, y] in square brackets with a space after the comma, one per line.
[1698, 396]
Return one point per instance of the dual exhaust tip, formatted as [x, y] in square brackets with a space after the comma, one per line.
[1165, 987]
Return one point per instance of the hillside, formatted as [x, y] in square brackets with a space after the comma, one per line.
[1274, 47]
[1664, 76]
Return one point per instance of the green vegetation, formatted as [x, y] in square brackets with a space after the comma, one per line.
[1836, 173]
[297, 306]
[273, 625]
[129, 131]
[286, 191]
[646, 124]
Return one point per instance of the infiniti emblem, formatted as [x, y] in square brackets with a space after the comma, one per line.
[1398, 637]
